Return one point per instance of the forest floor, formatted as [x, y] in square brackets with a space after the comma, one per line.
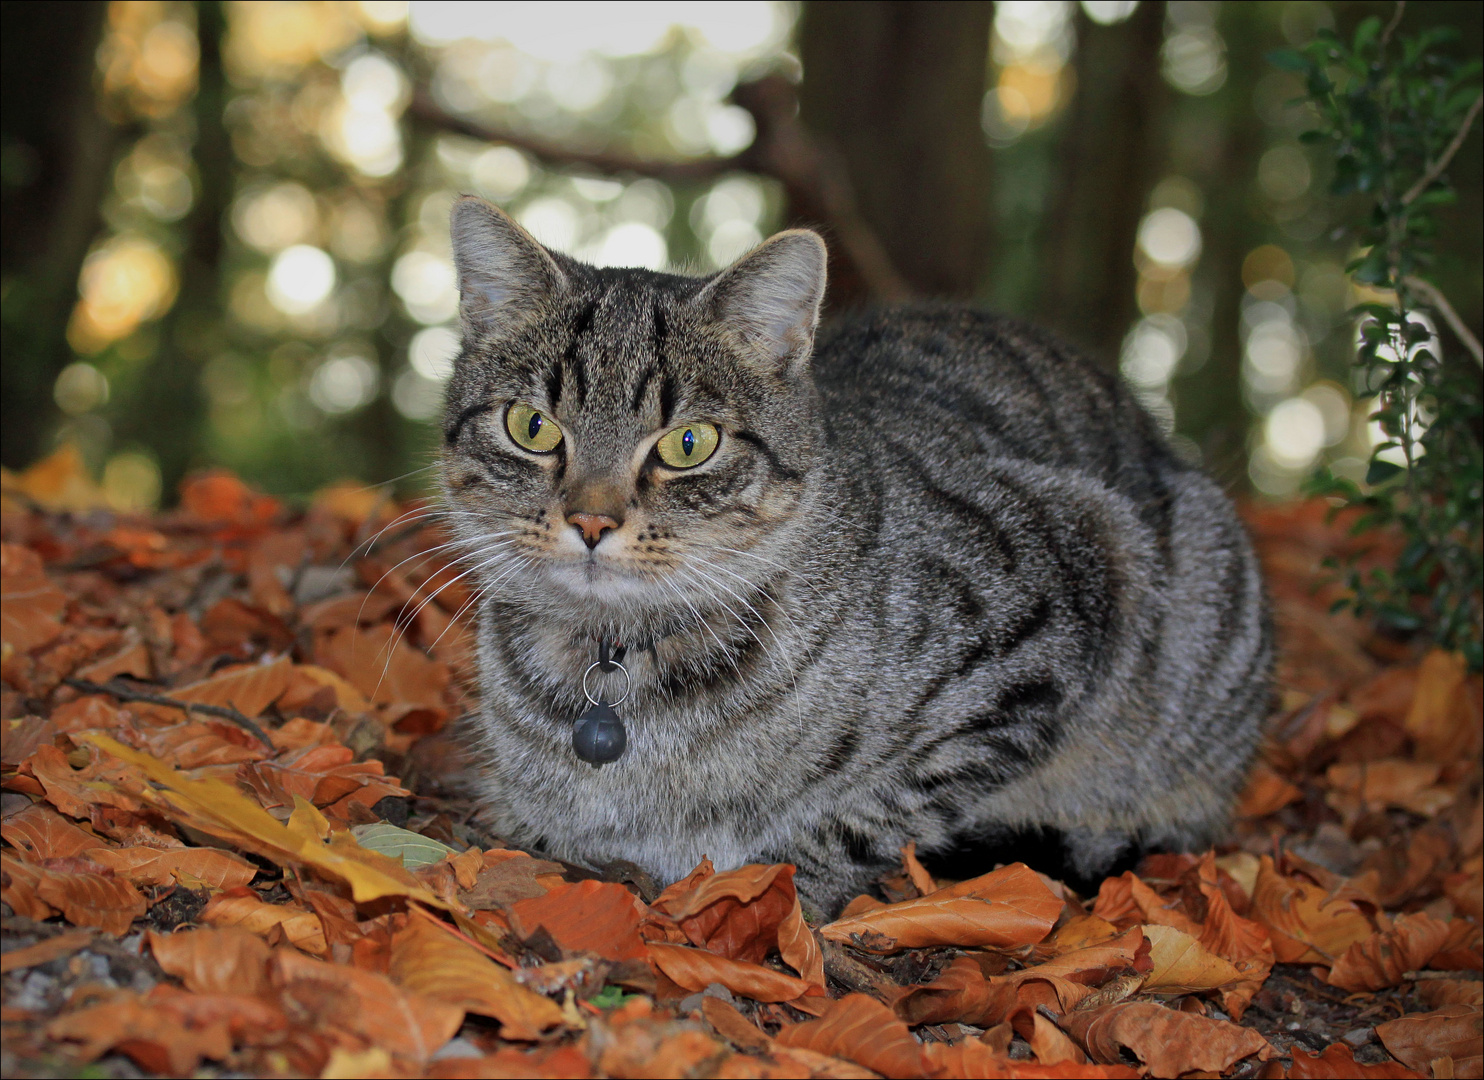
[231, 848]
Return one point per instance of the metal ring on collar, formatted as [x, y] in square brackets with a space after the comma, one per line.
[626, 683]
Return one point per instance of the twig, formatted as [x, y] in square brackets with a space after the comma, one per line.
[1436, 168]
[1433, 297]
[817, 183]
[1415, 976]
[1396, 19]
[124, 692]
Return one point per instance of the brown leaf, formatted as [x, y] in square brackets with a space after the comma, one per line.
[696, 969]
[511, 879]
[1052, 1046]
[83, 895]
[226, 961]
[921, 880]
[1005, 909]
[1182, 965]
[1442, 720]
[860, 1029]
[1452, 1031]
[1128, 901]
[44, 951]
[1435, 993]
[407, 1025]
[972, 1058]
[43, 833]
[433, 962]
[193, 867]
[736, 913]
[1168, 1042]
[1383, 959]
[731, 1025]
[1266, 793]
[241, 907]
[1376, 785]
[1308, 923]
[157, 1038]
[799, 947]
[593, 916]
[1338, 1063]
[30, 605]
[380, 663]
[249, 689]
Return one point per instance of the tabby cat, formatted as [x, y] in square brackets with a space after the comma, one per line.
[928, 576]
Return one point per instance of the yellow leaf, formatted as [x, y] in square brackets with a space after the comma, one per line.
[369, 876]
[1182, 965]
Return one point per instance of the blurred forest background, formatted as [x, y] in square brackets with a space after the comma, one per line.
[225, 224]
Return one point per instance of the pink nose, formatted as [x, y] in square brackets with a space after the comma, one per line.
[593, 526]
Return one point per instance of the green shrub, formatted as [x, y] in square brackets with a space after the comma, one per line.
[1393, 112]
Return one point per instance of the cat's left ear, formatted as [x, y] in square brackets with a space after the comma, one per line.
[768, 301]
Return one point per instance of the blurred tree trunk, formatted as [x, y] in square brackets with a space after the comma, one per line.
[170, 391]
[1111, 152]
[895, 89]
[57, 155]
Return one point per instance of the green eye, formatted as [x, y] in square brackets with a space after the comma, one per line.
[532, 430]
[688, 445]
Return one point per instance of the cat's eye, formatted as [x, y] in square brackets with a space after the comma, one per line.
[688, 445]
[532, 429]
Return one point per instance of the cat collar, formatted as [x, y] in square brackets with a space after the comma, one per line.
[598, 736]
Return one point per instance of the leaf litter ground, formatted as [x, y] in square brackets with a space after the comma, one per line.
[234, 844]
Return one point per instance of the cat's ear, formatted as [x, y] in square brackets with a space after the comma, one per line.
[768, 301]
[504, 274]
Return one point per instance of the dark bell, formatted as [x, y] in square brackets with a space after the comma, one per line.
[599, 736]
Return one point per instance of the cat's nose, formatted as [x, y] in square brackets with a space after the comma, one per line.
[593, 526]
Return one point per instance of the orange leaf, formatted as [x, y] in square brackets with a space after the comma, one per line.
[737, 913]
[45, 834]
[433, 962]
[222, 499]
[860, 1029]
[921, 880]
[696, 969]
[1442, 720]
[1182, 965]
[1338, 1063]
[241, 907]
[226, 961]
[379, 663]
[88, 896]
[1266, 793]
[158, 1039]
[193, 867]
[1167, 1041]
[799, 948]
[1005, 909]
[249, 689]
[1452, 1031]
[1309, 923]
[594, 916]
[1127, 901]
[44, 951]
[1052, 1045]
[405, 1024]
[1383, 959]
[30, 605]
[233, 814]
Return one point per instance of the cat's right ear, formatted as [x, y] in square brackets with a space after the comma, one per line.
[504, 274]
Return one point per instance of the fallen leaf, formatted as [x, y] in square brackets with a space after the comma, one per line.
[696, 969]
[30, 605]
[1384, 958]
[1182, 965]
[921, 880]
[1308, 923]
[1266, 793]
[43, 833]
[1052, 1046]
[413, 849]
[249, 689]
[84, 892]
[860, 1029]
[510, 880]
[230, 960]
[211, 802]
[220, 498]
[158, 1038]
[1435, 993]
[433, 962]
[736, 913]
[1167, 1041]
[1338, 1063]
[1005, 909]
[731, 1025]
[193, 867]
[1452, 1031]
[1375, 785]
[407, 1025]
[242, 907]
[1442, 719]
[592, 916]
[44, 951]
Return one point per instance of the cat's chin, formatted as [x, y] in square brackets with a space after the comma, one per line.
[605, 583]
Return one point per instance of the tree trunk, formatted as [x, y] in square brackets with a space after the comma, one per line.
[57, 158]
[1112, 149]
[895, 90]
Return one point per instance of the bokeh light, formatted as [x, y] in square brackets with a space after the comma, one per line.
[300, 279]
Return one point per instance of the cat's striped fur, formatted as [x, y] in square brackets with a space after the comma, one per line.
[941, 579]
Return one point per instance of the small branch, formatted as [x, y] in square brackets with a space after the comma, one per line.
[1396, 20]
[1436, 168]
[817, 183]
[124, 692]
[1431, 295]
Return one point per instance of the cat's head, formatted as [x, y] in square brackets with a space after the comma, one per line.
[624, 438]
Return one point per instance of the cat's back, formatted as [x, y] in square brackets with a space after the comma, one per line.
[941, 384]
